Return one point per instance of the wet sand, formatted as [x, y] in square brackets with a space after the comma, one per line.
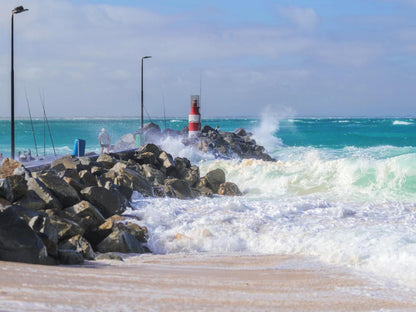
[196, 283]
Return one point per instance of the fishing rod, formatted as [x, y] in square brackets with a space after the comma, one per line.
[145, 110]
[164, 112]
[47, 122]
[31, 123]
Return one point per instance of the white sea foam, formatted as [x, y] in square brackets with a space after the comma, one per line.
[401, 123]
[355, 211]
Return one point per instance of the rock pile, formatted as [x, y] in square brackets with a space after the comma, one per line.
[222, 144]
[72, 210]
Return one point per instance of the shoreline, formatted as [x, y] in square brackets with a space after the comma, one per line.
[190, 282]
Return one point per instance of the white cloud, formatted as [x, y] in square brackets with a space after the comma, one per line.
[86, 58]
[305, 18]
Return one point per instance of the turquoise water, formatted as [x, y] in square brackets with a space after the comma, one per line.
[320, 133]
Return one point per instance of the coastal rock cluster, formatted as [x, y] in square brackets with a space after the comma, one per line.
[72, 209]
[222, 144]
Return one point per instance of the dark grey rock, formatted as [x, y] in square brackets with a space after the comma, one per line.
[70, 257]
[13, 187]
[229, 189]
[214, 179]
[65, 227]
[108, 202]
[178, 188]
[109, 256]
[133, 179]
[18, 242]
[32, 201]
[65, 193]
[37, 186]
[106, 161]
[87, 178]
[120, 241]
[80, 245]
[88, 215]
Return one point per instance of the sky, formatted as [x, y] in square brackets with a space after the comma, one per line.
[321, 58]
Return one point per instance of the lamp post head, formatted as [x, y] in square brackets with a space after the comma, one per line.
[145, 57]
[19, 9]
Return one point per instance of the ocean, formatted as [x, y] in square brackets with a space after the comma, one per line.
[343, 190]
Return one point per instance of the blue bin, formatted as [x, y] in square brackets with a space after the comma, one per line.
[79, 148]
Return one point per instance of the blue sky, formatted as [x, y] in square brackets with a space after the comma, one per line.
[297, 58]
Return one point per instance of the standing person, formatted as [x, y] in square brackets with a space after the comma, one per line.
[105, 140]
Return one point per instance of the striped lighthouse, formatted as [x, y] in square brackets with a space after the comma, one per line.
[194, 117]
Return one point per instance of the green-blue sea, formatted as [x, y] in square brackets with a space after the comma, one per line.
[332, 133]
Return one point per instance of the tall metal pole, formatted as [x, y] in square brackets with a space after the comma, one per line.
[144, 57]
[12, 91]
[16, 10]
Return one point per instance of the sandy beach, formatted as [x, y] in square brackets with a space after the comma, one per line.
[196, 283]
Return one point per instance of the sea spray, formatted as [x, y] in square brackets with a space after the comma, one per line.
[177, 149]
[266, 133]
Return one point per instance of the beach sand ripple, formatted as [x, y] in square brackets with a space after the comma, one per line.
[196, 282]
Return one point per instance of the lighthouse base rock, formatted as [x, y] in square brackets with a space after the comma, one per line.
[221, 144]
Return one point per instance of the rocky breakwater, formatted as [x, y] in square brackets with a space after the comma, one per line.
[222, 144]
[72, 210]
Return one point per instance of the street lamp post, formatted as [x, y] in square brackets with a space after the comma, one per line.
[16, 10]
[144, 57]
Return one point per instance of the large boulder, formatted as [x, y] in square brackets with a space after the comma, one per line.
[150, 147]
[70, 257]
[178, 188]
[70, 173]
[167, 163]
[229, 189]
[66, 162]
[240, 132]
[119, 165]
[65, 227]
[133, 179]
[32, 201]
[182, 165]
[47, 233]
[106, 160]
[192, 176]
[87, 162]
[87, 178]
[80, 245]
[13, 187]
[8, 167]
[18, 242]
[108, 202]
[120, 241]
[37, 186]
[96, 236]
[153, 174]
[147, 158]
[74, 183]
[87, 215]
[214, 179]
[65, 193]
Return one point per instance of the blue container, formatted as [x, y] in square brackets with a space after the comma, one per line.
[79, 148]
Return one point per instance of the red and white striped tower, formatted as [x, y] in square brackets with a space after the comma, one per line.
[194, 118]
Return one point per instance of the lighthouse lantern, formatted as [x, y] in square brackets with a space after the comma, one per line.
[194, 117]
